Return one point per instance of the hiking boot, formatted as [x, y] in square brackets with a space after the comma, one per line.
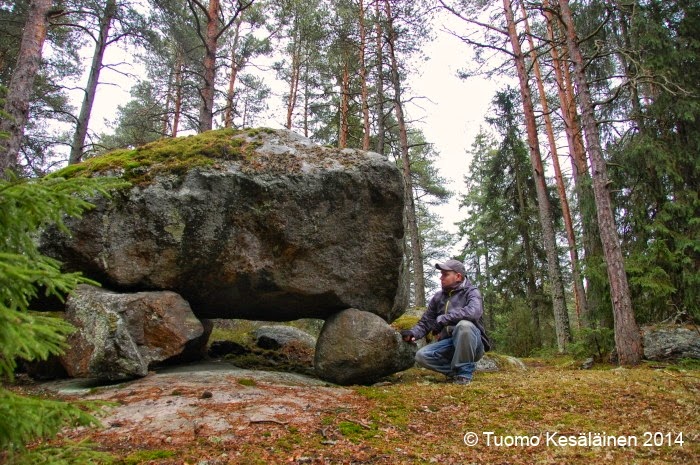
[463, 380]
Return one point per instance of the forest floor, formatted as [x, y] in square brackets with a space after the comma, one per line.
[551, 413]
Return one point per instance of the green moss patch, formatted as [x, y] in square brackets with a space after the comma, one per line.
[247, 382]
[405, 322]
[176, 156]
[146, 456]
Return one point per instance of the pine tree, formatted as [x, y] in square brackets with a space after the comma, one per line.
[16, 106]
[561, 315]
[628, 341]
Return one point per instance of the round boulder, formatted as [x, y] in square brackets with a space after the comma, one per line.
[357, 347]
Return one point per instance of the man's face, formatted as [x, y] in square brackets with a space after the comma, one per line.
[448, 278]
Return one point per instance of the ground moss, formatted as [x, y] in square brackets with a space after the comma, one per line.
[239, 332]
[356, 432]
[247, 382]
[145, 456]
[420, 418]
[291, 440]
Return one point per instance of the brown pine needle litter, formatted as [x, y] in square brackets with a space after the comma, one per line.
[548, 414]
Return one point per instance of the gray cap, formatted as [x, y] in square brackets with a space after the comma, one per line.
[452, 265]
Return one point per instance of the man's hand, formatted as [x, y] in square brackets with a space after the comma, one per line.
[442, 320]
[437, 332]
[407, 335]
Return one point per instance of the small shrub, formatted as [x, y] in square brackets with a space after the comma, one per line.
[26, 208]
[69, 453]
[597, 343]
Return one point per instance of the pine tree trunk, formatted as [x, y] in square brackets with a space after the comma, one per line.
[228, 114]
[561, 317]
[363, 79]
[379, 147]
[168, 102]
[592, 246]
[344, 104]
[178, 93]
[206, 108]
[293, 84]
[627, 337]
[307, 98]
[579, 291]
[20, 89]
[78, 145]
[580, 174]
[416, 249]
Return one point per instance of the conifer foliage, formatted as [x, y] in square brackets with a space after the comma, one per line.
[27, 206]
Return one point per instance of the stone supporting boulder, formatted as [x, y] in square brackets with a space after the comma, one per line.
[357, 347]
[120, 336]
[261, 225]
[671, 342]
[278, 336]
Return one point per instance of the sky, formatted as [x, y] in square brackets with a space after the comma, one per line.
[450, 111]
[453, 115]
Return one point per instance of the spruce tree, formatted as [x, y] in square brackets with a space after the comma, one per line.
[26, 207]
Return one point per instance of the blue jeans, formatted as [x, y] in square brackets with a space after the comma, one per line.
[456, 355]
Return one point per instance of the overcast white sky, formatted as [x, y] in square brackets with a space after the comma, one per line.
[454, 114]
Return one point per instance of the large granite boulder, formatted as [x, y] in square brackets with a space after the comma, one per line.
[357, 347]
[671, 342]
[119, 336]
[255, 224]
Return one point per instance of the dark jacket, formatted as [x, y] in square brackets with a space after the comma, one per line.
[447, 308]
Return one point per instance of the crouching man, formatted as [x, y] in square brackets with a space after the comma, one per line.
[455, 315]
